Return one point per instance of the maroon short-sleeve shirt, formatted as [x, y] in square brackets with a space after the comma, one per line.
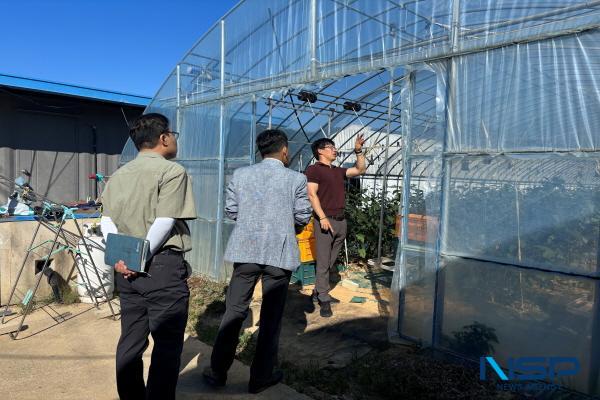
[331, 192]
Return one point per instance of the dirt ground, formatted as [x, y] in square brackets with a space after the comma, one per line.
[68, 351]
[306, 337]
[353, 331]
[347, 356]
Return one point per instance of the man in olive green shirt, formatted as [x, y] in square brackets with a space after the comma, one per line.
[151, 197]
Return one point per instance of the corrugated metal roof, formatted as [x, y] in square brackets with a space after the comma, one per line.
[72, 90]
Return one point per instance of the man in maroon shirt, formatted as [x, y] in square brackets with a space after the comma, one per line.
[327, 196]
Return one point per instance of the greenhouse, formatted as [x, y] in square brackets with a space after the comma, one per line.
[482, 121]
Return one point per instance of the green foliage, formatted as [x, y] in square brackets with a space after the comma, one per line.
[33, 304]
[207, 294]
[207, 333]
[473, 340]
[363, 209]
[246, 347]
[207, 306]
[312, 374]
[207, 303]
[69, 296]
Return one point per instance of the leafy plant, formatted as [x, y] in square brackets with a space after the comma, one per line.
[473, 340]
[363, 211]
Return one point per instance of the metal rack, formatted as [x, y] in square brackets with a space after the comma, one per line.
[64, 240]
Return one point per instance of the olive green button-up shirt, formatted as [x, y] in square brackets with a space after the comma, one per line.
[146, 188]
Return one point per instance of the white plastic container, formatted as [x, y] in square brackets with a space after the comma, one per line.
[87, 274]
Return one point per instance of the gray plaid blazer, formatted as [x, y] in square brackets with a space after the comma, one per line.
[266, 200]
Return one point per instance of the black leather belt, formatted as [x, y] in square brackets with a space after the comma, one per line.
[170, 252]
[337, 217]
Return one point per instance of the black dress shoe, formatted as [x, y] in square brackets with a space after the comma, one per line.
[326, 309]
[213, 379]
[257, 387]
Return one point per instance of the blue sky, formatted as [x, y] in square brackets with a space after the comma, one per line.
[123, 45]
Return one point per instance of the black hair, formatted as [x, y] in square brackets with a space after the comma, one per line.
[271, 141]
[146, 130]
[320, 144]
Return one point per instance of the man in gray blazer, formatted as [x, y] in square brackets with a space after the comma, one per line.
[267, 200]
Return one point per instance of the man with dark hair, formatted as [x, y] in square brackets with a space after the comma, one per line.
[327, 197]
[151, 197]
[266, 201]
[145, 131]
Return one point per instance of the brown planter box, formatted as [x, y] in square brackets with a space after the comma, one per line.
[418, 226]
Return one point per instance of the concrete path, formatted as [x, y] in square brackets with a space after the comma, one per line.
[68, 352]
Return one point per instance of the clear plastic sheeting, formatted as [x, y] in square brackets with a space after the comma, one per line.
[492, 137]
[517, 167]
[202, 254]
[534, 211]
[199, 71]
[423, 100]
[540, 96]
[240, 132]
[199, 133]
[369, 34]
[266, 42]
[415, 279]
[204, 173]
[429, 110]
[514, 312]
[487, 23]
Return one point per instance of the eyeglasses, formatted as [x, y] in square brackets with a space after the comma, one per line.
[175, 134]
[330, 147]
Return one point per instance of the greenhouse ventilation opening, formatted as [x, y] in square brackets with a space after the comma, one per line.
[485, 114]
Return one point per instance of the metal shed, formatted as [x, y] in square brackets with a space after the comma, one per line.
[61, 133]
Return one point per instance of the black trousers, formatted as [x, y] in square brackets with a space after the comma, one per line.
[157, 305]
[275, 283]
